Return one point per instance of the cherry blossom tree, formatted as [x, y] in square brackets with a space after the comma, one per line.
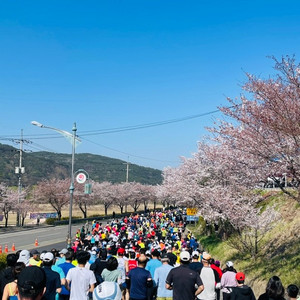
[83, 200]
[219, 188]
[265, 130]
[8, 201]
[54, 192]
[121, 195]
[103, 194]
[25, 204]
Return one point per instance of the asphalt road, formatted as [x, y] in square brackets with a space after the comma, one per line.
[48, 237]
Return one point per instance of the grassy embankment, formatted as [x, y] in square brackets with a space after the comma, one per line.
[279, 250]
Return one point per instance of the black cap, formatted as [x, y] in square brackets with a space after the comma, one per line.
[165, 257]
[34, 251]
[31, 281]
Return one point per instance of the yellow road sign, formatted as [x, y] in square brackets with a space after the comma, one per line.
[191, 211]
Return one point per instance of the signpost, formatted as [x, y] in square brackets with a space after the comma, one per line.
[191, 211]
[81, 177]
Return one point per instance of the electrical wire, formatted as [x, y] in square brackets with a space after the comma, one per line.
[143, 126]
[131, 155]
[114, 130]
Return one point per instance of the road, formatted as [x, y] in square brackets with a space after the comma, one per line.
[47, 236]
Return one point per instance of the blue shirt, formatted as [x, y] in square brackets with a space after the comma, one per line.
[66, 266]
[52, 283]
[138, 282]
[152, 265]
[160, 276]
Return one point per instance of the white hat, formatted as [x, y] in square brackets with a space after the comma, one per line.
[24, 257]
[48, 257]
[195, 253]
[185, 256]
[107, 290]
[229, 264]
[63, 251]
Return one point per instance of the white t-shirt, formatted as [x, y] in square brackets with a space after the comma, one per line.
[81, 279]
[208, 278]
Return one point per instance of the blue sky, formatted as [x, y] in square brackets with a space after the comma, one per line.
[111, 64]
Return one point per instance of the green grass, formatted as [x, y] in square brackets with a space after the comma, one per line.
[279, 252]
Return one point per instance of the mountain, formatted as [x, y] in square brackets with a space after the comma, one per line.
[46, 165]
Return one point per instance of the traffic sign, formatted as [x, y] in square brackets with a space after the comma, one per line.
[191, 211]
[81, 178]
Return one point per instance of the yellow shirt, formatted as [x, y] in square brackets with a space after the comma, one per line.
[34, 262]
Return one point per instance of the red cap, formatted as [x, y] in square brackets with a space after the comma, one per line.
[240, 276]
[121, 250]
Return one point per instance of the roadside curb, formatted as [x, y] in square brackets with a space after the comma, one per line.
[11, 229]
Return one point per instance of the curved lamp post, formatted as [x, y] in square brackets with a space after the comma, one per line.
[73, 139]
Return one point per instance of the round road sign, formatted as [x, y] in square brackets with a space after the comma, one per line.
[81, 178]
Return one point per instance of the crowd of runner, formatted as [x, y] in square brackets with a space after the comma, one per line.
[140, 257]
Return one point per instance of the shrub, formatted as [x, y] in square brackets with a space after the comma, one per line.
[50, 221]
[2, 261]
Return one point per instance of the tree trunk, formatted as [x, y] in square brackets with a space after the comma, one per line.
[83, 210]
[6, 218]
[105, 209]
[59, 215]
[121, 209]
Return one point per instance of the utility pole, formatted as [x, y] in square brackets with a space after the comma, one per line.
[127, 177]
[127, 170]
[19, 171]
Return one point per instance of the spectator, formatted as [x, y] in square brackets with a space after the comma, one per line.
[241, 291]
[182, 280]
[274, 290]
[83, 280]
[31, 283]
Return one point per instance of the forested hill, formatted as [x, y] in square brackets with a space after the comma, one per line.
[46, 165]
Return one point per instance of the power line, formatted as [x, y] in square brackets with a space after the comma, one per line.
[119, 129]
[147, 125]
[116, 130]
[115, 150]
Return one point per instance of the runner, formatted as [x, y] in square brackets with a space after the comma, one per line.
[241, 291]
[139, 280]
[182, 280]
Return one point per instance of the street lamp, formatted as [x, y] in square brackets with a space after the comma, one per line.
[72, 138]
